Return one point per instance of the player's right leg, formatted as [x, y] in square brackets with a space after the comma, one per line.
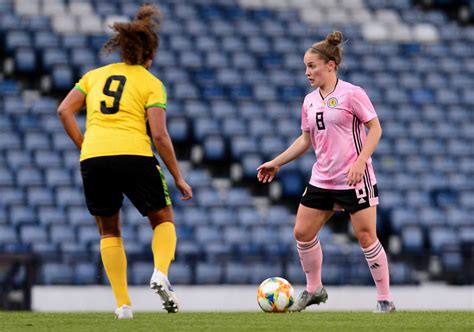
[104, 199]
[314, 211]
[112, 252]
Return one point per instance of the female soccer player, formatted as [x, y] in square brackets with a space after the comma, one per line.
[333, 118]
[116, 155]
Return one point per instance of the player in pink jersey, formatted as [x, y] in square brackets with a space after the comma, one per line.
[333, 121]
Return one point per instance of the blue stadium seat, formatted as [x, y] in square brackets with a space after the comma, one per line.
[237, 273]
[61, 233]
[87, 234]
[33, 233]
[82, 56]
[452, 261]
[25, 60]
[247, 216]
[199, 178]
[242, 60]
[222, 216]
[67, 196]
[249, 163]
[241, 145]
[8, 234]
[263, 271]
[78, 215]
[63, 78]
[178, 129]
[141, 273]
[53, 57]
[402, 274]
[412, 239]
[180, 273]
[257, 127]
[86, 273]
[292, 183]
[402, 217]
[16, 38]
[296, 274]
[195, 216]
[208, 274]
[29, 176]
[11, 196]
[441, 236]
[56, 273]
[279, 215]
[214, 148]
[38, 196]
[235, 235]
[236, 197]
[207, 234]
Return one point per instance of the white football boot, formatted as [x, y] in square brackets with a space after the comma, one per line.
[124, 312]
[160, 284]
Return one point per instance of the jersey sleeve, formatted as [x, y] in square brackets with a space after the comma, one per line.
[83, 84]
[362, 106]
[157, 96]
[304, 118]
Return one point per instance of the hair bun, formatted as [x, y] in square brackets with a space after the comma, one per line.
[151, 14]
[334, 38]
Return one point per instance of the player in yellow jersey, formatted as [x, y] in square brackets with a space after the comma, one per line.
[116, 155]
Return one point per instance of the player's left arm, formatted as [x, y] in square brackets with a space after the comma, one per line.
[72, 104]
[356, 171]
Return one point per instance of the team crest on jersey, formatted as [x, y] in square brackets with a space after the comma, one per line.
[332, 102]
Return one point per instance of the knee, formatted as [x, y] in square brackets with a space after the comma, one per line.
[108, 227]
[160, 216]
[302, 234]
[365, 238]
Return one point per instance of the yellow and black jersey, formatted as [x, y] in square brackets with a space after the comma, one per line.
[117, 97]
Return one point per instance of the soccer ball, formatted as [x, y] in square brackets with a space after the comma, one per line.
[275, 295]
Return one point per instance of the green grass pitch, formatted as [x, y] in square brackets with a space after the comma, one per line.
[241, 321]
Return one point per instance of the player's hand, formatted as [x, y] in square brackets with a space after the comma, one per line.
[185, 190]
[355, 173]
[267, 171]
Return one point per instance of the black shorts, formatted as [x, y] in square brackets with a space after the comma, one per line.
[350, 200]
[106, 179]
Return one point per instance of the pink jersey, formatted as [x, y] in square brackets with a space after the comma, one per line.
[336, 126]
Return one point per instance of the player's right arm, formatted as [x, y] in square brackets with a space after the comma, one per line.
[72, 104]
[164, 146]
[268, 170]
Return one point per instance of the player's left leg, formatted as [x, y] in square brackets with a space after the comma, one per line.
[164, 238]
[364, 224]
[115, 262]
[163, 247]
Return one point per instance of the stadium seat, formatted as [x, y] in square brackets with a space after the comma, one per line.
[208, 273]
[57, 274]
[180, 273]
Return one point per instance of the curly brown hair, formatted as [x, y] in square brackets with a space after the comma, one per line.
[329, 48]
[137, 40]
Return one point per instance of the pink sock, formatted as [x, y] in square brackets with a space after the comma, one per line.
[311, 257]
[378, 265]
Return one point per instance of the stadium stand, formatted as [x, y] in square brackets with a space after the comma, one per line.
[234, 76]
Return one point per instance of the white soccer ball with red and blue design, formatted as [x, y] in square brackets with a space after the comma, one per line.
[275, 295]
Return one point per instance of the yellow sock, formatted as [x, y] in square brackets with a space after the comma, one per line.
[163, 246]
[115, 264]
